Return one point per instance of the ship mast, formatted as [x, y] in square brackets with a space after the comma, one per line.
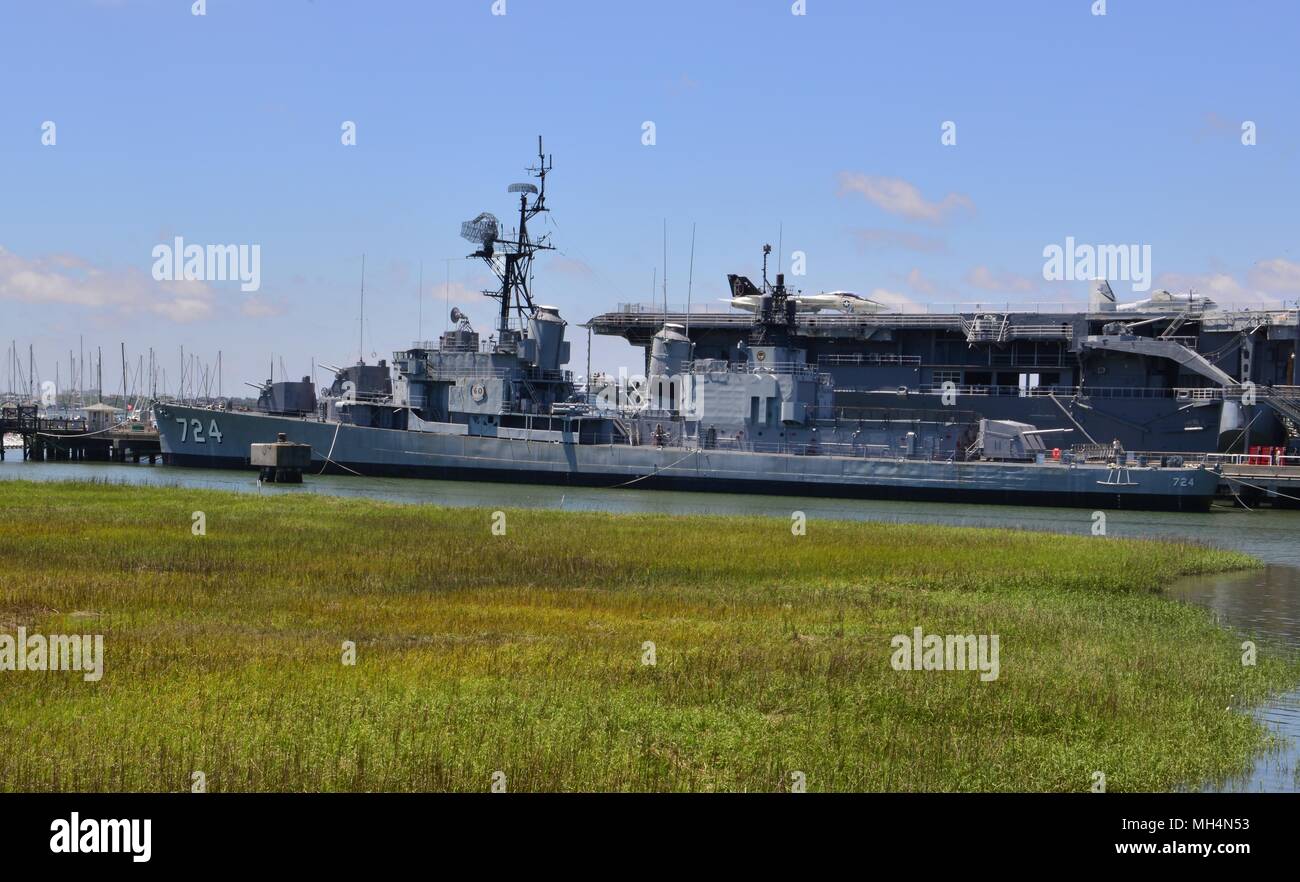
[774, 319]
[512, 265]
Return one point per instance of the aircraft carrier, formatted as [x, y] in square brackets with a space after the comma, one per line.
[1175, 373]
[753, 414]
[1171, 374]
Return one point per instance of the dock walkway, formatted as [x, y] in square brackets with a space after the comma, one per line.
[1253, 483]
[45, 439]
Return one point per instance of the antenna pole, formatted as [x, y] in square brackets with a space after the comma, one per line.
[665, 281]
[361, 331]
[690, 282]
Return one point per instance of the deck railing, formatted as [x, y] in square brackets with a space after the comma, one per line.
[869, 358]
[1058, 391]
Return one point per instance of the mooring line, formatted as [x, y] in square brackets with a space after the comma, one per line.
[652, 474]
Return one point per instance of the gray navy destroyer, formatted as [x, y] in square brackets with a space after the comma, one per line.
[751, 414]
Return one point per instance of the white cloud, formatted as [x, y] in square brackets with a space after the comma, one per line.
[920, 283]
[572, 266]
[1212, 123]
[68, 279]
[1276, 276]
[684, 83]
[894, 300]
[1217, 286]
[1265, 284]
[881, 240]
[259, 307]
[469, 300]
[184, 309]
[1000, 282]
[902, 198]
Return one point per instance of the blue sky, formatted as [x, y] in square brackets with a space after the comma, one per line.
[225, 128]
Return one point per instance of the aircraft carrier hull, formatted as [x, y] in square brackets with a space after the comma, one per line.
[198, 437]
[1160, 424]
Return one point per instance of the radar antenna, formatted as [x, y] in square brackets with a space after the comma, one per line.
[462, 320]
[483, 229]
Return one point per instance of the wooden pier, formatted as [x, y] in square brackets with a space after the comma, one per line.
[73, 440]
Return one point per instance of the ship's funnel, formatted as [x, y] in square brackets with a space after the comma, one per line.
[547, 329]
[670, 351]
[670, 358]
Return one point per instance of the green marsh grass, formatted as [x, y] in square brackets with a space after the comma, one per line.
[523, 653]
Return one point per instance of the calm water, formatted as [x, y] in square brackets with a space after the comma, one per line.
[1263, 604]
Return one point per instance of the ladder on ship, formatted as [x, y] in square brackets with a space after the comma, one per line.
[1286, 401]
[986, 328]
[1178, 322]
[623, 428]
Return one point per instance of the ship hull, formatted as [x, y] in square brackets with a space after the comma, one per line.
[223, 439]
[1156, 424]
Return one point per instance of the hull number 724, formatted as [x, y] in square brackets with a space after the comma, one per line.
[192, 430]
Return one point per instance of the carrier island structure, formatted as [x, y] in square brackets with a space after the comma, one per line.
[753, 402]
